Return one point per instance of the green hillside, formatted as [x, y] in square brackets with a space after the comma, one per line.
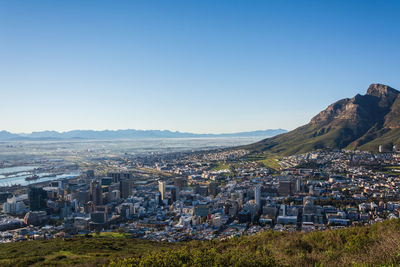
[377, 244]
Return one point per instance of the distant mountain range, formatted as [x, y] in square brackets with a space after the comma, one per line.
[363, 122]
[127, 134]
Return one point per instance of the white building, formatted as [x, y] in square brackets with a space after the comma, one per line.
[13, 206]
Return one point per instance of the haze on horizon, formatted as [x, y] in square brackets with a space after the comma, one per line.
[190, 66]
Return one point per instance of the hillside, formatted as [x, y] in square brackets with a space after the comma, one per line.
[377, 244]
[363, 122]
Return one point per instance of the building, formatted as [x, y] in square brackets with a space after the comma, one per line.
[257, 196]
[201, 210]
[179, 182]
[12, 206]
[97, 194]
[90, 174]
[161, 189]
[98, 217]
[37, 198]
[35, 217]
[174, 193]
[285, 188]
[118, 176]
[125, 188]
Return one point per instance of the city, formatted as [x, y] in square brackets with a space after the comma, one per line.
[199, 133]
[207, 195]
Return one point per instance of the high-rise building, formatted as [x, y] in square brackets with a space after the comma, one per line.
[285, 187]
[90, 174]
[257, 196]
[97, 195]
[37, 198]
[298, 185]
[179, 182]
[161, 188]
[125, 187]
[174, 193]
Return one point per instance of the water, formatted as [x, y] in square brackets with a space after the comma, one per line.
[17, 169]
[20, 179]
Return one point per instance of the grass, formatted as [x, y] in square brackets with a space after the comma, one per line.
[155, 172]
[373, 245]
[221, 166]
[267, 159]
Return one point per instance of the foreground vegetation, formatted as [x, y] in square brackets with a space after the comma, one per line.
[377, 244]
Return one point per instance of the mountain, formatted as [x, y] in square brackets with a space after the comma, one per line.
[363, 122]
[127, 134]
[4, 135]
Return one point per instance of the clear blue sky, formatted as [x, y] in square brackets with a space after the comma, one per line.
[199, 66]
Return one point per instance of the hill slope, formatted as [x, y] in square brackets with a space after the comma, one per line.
[362, 122]
[373, 245]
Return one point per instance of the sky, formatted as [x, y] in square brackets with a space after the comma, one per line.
[207, 66]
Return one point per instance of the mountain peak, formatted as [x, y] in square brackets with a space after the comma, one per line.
[379, 90]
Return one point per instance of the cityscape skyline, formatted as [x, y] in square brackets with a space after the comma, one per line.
[201, 67]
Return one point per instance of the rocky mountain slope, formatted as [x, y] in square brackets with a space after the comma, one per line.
[363, 122]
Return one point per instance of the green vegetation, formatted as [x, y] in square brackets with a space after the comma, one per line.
[385, 137]
[377, 244]
[80, 251]
[267, 159]
[220, 166]
[304, 139]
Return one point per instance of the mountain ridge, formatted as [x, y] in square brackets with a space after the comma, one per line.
[127, 134]
[363, 122]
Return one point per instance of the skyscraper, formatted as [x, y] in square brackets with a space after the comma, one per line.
[257, 196]
[180, 183]
[37, 198]
[161, 188]
[174, 193]
[125, 187]
[97, 194]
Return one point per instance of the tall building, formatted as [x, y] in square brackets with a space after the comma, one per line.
[161, 188]
[179, 182]
[257, 196]
[298, 185]
[37, 198]
[174, 193]
[90, 174]
[125, 187]
[285, 187]
[97, 194]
